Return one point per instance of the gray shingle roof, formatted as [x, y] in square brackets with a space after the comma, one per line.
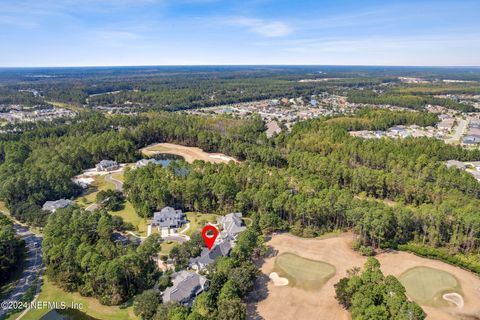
[168, 217]
[186, 285]
[107, 165]
[58, 204]
[221, 249]
[231, 224]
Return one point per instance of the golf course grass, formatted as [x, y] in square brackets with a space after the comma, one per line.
[427, 285]
[302, 272]
[89, 306]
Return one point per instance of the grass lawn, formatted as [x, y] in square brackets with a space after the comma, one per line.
[88, 197]
[118, 176]
[303, 272]
[91, 306]
[427, 285]
[167, 246]
[130, 215]
[199, 220]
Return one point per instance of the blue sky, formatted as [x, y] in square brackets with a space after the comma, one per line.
[188, 32]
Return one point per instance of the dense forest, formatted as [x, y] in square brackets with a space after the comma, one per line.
[81, 255]
[11, 249]
[326, 180]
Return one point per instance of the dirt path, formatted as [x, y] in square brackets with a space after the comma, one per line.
[190, 154]
[294, 303]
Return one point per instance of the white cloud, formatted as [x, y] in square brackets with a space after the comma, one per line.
[263, 27]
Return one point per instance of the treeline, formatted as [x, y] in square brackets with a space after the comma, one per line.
[9, 96]
[181, 93]
[371, 295]
[11, 249]
[333, 181]
[417, 102]
[80, 255]
[230, 280]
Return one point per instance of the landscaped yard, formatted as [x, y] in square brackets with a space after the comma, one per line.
[89, 195]
[91, 306]
[129, 215]
[167, 246]
[199, 220]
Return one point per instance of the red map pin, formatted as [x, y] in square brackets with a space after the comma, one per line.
[209, 238]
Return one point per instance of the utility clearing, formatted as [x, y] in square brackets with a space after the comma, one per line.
[456, 292]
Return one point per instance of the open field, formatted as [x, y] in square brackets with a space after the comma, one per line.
[50, 292]
[190, 154]
[291, 302]
[303, 273]
[427, 285]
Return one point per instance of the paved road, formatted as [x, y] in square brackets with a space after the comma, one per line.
[33, 264]
[178, 239]
[118, 184]
[459, 131]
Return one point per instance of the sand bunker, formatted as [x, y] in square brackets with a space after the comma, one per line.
[190, 154]
[277, 280]
[454, 298]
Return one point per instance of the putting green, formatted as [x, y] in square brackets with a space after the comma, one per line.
[427, 285]
[303, 272]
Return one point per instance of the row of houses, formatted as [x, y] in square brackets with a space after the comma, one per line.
[473, 134]
[472, 167]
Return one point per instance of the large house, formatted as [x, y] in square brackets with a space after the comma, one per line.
[231, 225]
[186, 286]
[169, 218]
[221, 249]
[58, 204]
[107, 165]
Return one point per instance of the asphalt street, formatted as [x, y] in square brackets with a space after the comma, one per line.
[33, 265]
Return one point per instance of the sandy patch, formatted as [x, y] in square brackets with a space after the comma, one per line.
[454, 298]
[288, 302]
[190, 154]
[277, 280]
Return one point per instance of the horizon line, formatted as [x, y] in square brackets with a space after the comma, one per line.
[238, 65]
